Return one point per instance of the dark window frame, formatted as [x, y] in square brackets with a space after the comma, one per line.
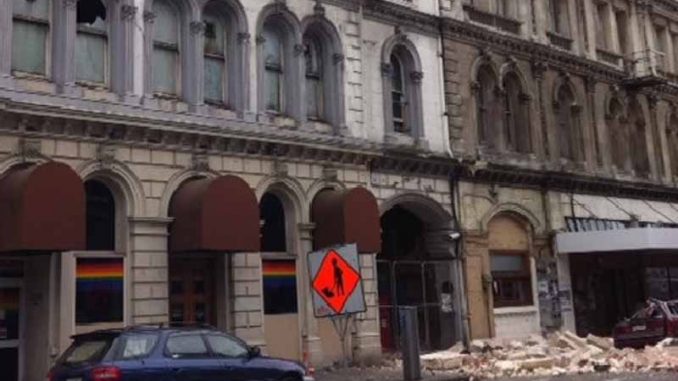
[519, 279]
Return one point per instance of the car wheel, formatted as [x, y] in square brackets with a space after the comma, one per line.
[290, 378]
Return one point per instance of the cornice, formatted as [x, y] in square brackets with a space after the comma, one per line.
[399, 15]
[529, 50]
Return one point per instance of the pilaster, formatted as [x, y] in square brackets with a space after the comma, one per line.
[149, 257]
[63, 37]
[5, 39]
[366, 338]
[247, 303]
[312, 346]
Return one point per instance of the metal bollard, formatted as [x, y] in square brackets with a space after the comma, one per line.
[409, 343]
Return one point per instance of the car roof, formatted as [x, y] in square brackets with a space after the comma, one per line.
[114, 332]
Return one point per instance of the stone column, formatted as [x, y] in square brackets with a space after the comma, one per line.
[5, 41]
[124, 80]
[247, 293]
[590, 28]
[63, 45]
[193, 71]
[311, 344]
[149, 20]
[150, 280]
[366, 339]
[655, 150]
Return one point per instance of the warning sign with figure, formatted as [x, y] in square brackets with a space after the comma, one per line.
[336, 282]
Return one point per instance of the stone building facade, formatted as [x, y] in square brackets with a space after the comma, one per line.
[161, 161]
[562, 133]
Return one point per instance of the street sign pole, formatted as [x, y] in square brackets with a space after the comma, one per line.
[341, 325]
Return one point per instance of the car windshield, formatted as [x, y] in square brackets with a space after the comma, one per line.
[87, 350]
[673, 307]
[136, 345]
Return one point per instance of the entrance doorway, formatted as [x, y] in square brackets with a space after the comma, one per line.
[10, 343]
[414, 270]
[192, 290]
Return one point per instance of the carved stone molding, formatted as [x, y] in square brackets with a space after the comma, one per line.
[337, 58]
[299, 49]
[198, 28]
[128, 12]
[386, 69]
[244, 38]
[69, 4]
[416, 76]
[149, 17]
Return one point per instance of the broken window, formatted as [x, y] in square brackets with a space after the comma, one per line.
[91, 43]
[30, 32]
[398, 95]
[215, 55]
[511, 283]
[166, 53]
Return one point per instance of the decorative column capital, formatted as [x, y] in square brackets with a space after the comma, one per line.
[70, 4]
[298, 49]
[416, 76]
[306, 230]
[244, 38]
[198, 28]
[149, 17]
[337, 58]
[386, 69]
[128, 12]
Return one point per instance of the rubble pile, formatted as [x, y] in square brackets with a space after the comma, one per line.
[560, 353]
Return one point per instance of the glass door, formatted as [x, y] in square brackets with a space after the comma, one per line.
[10, 303]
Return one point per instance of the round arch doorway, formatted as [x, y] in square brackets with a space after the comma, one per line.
[415, 268]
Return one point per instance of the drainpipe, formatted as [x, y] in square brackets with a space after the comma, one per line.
[458, 272]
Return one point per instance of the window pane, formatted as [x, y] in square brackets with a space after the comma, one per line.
[280, 287]
[90, 55]
[507, 263]
[186, 345]
[214, 79]
[28, 47]
[38, 8]
[272, 46]
[273, 90]
[214, 36]
[165, 26]
[225, 346]
[138, 345]
[99, 290]
[313, 97]
[165, 70]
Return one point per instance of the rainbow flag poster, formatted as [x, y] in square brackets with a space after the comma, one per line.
[280, 286]
[99, 290]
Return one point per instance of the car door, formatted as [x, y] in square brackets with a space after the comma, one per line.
[233, 355]
[188, 358]
[656, 325]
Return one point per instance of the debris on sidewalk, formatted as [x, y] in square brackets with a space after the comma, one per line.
[560, 353]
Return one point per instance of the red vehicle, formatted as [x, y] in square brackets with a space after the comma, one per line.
[648, 326]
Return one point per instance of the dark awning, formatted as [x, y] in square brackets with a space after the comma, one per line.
[42, 208]
[346, 216]
[219, 214]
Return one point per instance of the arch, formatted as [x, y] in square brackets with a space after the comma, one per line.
[124, 183]
[512, 68]
[189, 9]
[424, 207]
[401, 85]
[513, 209]
[277, 21]
[485, 61]
[323, 32]
[16, 159]
[234, 54]
[321, 184]
[290, 190]
[175, 182]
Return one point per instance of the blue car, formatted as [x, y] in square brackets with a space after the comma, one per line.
[169, 354]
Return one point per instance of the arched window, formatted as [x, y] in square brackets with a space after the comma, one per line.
[486, 107]
[672, 135]
[91, 42]
[516, 116]
[166, 59]
[274, 66]
[323, 72]
[618, 134]
[638, 140]
[100, 216]
[215, 50]
[30, 36]
[402, 91]
[273, 231]
[567, 115]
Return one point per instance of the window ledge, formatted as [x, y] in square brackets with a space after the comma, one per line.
[525, 310]
[506, 24]
[559, 40]
[609, 57]
[319, 126]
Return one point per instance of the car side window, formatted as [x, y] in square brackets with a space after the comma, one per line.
[226, 346]
[186, 345]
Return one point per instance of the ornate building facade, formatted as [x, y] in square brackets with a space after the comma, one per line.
[562, 119]
[175, 161]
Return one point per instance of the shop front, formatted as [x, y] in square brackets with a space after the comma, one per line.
[614, 272]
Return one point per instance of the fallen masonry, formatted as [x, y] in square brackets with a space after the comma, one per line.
[560, 353]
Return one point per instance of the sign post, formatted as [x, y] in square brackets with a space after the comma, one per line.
[337, 288]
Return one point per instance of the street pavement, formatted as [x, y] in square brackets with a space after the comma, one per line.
[376, 374]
